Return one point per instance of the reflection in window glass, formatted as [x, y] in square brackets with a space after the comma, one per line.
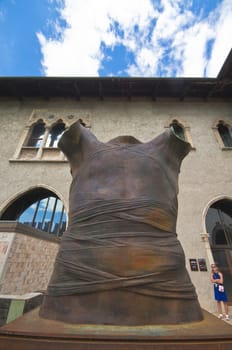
[219, 236]
[55, 134]
[212, 218]
[219, 223]
[29, 213]
[37, 134]
[225, 134]
[227, 219]
[57, 218]
[47, 215]
[38, 219]
[63, 222]
[220, 258]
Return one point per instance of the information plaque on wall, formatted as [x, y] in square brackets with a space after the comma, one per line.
[202, 265]
[193, 264]
[198, 264]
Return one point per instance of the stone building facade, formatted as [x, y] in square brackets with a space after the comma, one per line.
[35, 111]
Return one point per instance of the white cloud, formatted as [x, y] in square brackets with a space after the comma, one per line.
[171, 19]
[146, 61]
[223, 40]
[189, 48]
[89, 24]
[165, 37]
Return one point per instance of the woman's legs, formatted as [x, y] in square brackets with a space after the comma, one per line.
[219, 307]
[225, 307]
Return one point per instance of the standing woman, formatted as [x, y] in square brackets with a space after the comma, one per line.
[219, 291]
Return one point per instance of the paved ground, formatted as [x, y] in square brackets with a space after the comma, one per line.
[224, 318]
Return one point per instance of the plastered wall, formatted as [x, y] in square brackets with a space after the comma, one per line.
[206, 173]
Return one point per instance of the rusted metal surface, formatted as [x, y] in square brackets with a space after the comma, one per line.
[34, 333]
[120, 261]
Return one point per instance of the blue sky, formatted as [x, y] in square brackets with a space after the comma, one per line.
[150, 38]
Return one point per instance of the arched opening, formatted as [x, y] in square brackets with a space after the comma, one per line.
[219, 228]
[36, 134]
[55, 134]
[225, 134]
[178, 128]
[40, 208]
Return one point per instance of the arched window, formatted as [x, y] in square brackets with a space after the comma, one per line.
[55, 134]
[36, 134]
[225, 133]
[40, 137]
[219, 222]
[39, 208]
[178, 128]
[219, 228]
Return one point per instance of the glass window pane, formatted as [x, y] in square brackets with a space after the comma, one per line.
[63, 224]
[36, 135]
[219, 236]
[27, 216]
[225, 135]
[48, 216]
[227, 220]
[57, 217]
[219, 223]
[220, 258]
[55, 134]
[212, 221]
[40, 214]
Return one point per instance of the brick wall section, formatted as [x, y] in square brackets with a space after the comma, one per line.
[29, 265]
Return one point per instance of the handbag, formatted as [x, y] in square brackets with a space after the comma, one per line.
[221, 288]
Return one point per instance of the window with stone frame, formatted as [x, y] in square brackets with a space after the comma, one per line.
[55, 134]
[223, 133]
[182, 131]
[36, 134]
[40, 137]
[179, 130]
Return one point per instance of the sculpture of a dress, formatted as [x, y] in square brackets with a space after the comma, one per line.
[120, 261]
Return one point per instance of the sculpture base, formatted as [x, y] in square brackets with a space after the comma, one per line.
[32, 332]
[120, 308]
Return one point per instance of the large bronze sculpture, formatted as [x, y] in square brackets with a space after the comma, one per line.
[120, 261]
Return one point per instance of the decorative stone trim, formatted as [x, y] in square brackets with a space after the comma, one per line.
[50, 118]
[186, 130]
[204, 237]
[218, 136]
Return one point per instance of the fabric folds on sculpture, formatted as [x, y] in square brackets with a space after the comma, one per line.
[94, 241]
[121, 234]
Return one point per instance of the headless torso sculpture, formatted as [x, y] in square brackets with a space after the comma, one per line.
[120, 261]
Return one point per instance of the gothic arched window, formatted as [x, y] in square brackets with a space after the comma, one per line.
[40, 137]
[36, 134]
[178, 128]
[225, 134]
[55, 133]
